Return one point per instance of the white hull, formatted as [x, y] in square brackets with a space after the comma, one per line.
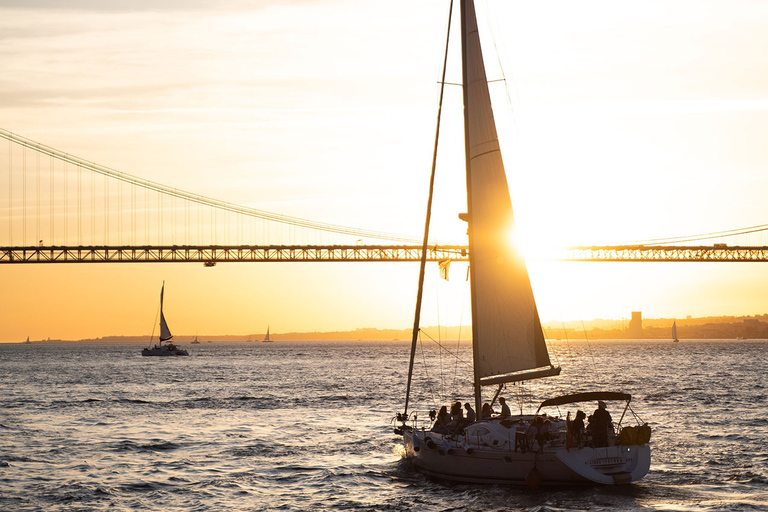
[462, 459]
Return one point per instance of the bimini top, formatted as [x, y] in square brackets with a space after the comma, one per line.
[586, 397]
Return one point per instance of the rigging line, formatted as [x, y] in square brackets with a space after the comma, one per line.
[453, 354]
[440, 350]
[589, 346]
[155, 324]
[222, 205]
[548, 343]
[426, 373]
[461, 325]
[425, 242]
[500, 51]
[567, 342]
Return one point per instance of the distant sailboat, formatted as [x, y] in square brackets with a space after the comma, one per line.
[266, 338]
[27, 340]
[169, 349]
[195, 342]
[674, 331]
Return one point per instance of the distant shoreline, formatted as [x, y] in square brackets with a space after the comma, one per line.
[720, 328]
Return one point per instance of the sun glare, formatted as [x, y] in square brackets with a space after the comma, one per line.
[530, 245]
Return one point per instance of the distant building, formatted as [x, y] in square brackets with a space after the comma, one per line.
[636, 325]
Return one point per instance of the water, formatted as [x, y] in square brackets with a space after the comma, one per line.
[306, 426]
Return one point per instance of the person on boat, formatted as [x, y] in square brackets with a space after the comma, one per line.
[442, 420]
[576, 428]
[505, 412]
[457, 417]
[535, 432]
[486, 411]
[471, 415]
[599, 424]
[545, 433]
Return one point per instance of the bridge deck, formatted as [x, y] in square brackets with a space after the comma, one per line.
[211, 255]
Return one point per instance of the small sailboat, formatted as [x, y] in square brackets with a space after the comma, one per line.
[508, 344]
[266, 338]
[674, 331]
[195, 341]
[169, 349]
[27, 340]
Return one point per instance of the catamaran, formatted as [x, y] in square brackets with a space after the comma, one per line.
[169, 349]
[508, 344]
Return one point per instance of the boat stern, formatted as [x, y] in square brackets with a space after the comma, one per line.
[609, 465]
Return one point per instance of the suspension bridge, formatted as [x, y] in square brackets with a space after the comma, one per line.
[59, 208]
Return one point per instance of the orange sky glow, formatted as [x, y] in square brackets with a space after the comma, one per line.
[618, 122]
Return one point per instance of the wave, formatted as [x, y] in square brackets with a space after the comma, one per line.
[156, 446]
[270, 451]
[131, 401]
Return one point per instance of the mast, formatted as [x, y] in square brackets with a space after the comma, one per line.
[467, 4]
[422, 268]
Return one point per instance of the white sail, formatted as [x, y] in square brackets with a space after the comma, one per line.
[165, 332]
[506, 330]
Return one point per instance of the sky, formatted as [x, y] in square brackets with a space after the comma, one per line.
[619, 122]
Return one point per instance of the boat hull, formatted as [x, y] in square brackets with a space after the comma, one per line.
[455, 460]
[163, 352]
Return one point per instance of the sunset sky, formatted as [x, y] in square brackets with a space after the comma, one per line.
[625, 122]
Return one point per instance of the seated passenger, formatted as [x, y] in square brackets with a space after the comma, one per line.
[471, 416]
[487, 411]
[442, 420]
[505, 412]
[545, 433]
[534, 432]
[457, 417]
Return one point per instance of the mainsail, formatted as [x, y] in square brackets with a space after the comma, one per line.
[165, 332]
[507, 334]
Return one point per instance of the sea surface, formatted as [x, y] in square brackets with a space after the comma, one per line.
[308, 426]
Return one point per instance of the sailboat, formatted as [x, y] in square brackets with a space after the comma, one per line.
[508, 344]
[27, 340]
[674, 331]
[169, 349]
[266, 338]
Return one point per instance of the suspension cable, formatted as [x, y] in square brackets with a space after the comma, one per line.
[213, 203]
